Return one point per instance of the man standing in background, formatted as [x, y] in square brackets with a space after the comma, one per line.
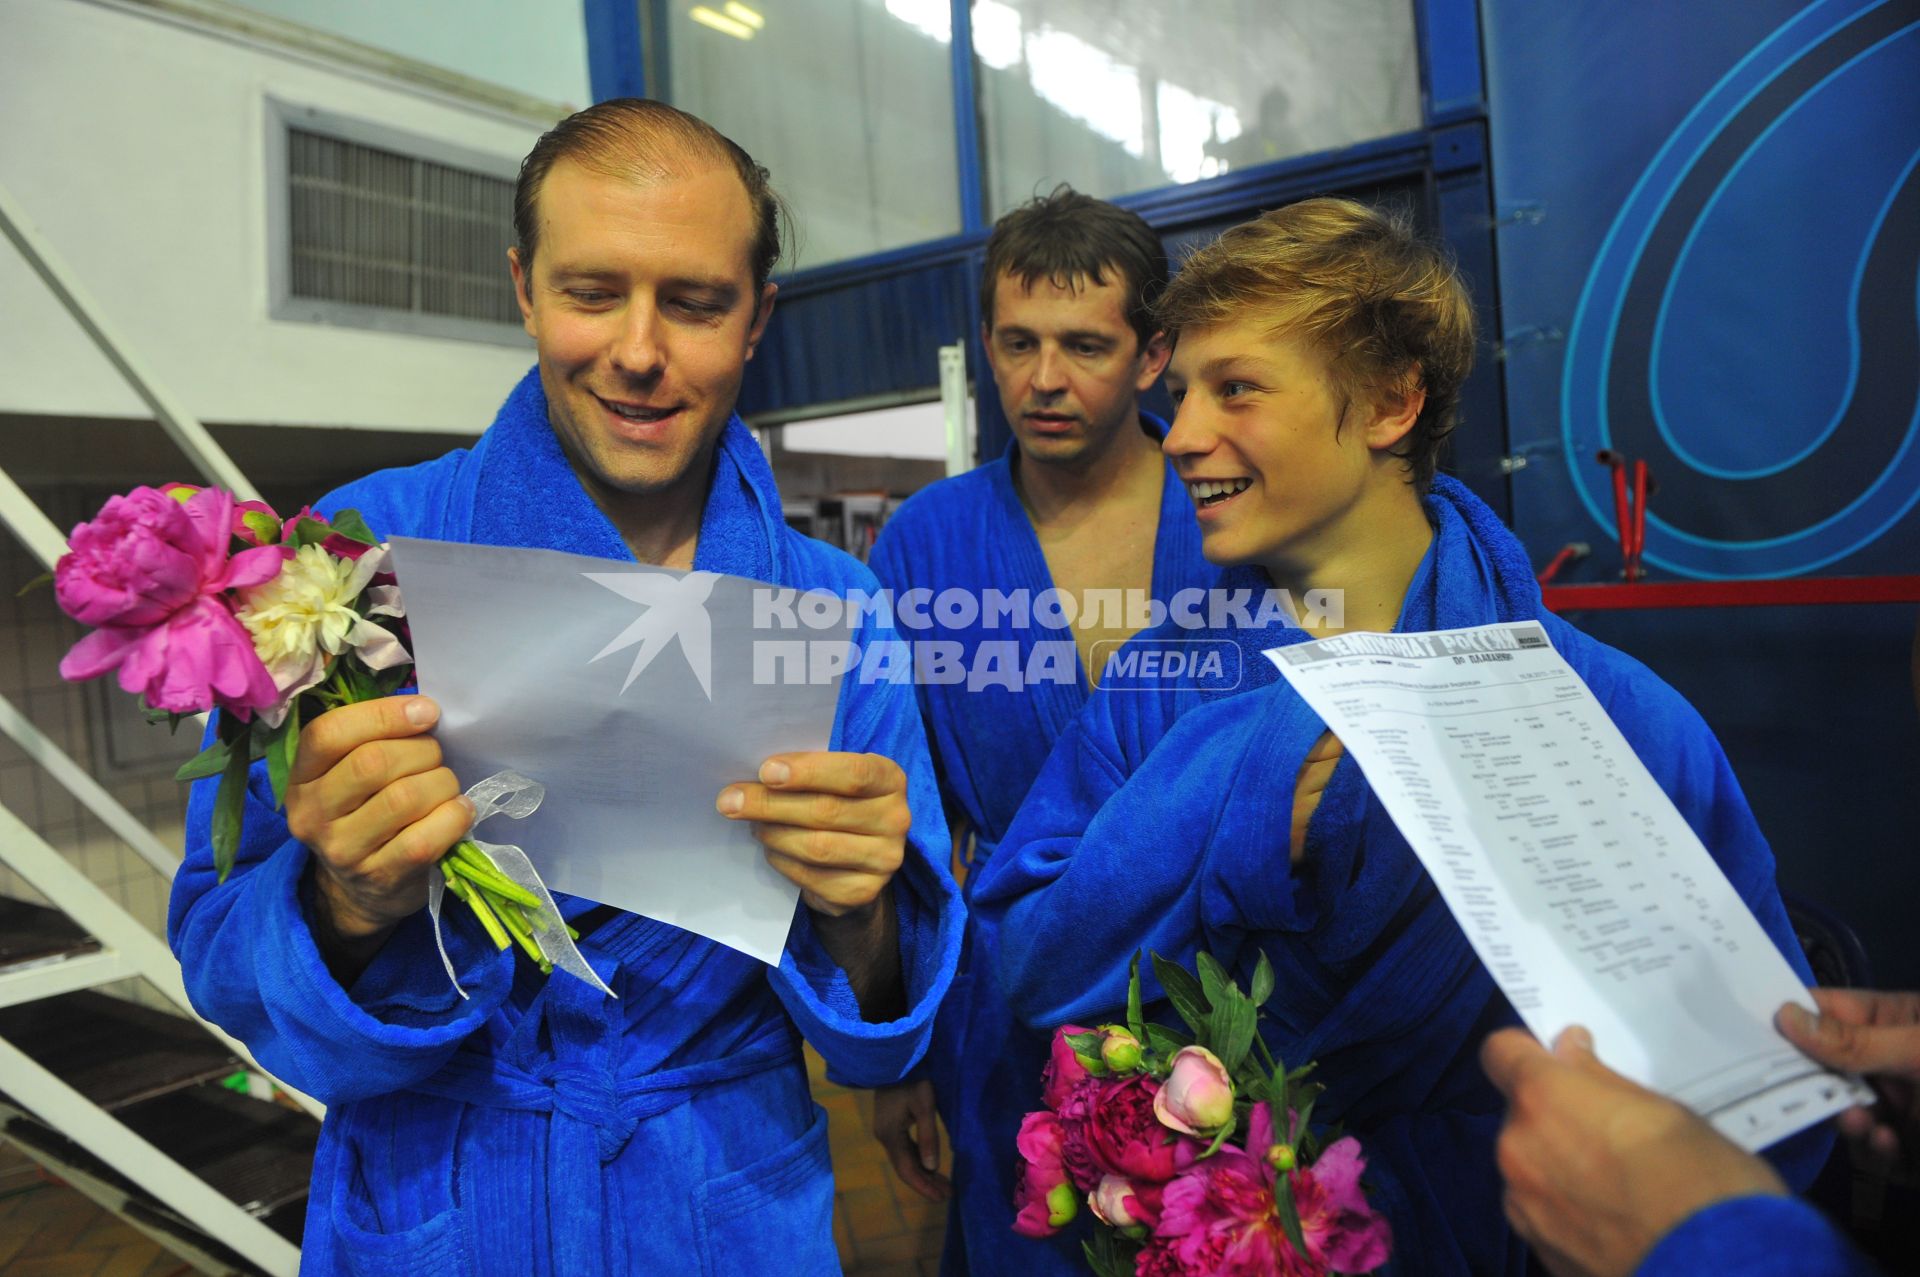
[1084, 509]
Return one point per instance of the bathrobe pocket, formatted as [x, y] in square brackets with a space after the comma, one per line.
[773, 1215]
[393, 1210]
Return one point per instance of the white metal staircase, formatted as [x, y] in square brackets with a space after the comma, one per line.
[122, 1101]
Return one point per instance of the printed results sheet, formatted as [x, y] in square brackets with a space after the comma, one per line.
[1578, 882]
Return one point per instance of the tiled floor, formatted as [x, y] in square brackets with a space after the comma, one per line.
[48, 1230]
[883, 1229]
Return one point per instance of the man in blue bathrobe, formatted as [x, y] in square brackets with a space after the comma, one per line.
[1081, 506]
[1318, 356]
[538, 1126]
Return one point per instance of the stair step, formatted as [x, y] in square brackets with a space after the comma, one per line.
[255, 1153]
[252, 1152]
[113, 1051]
[289, 1219]
[35, 933]
[66, 1160]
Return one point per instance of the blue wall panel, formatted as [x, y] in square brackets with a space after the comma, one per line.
[845, 335]
[1707, 259]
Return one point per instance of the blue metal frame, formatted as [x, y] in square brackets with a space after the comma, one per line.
[966, 121]
[614, 65]
[1453, 78]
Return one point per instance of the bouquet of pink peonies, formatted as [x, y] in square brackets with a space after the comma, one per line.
[202, 602]
[1173, 1142]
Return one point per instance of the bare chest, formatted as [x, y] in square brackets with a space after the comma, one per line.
[1107, 570]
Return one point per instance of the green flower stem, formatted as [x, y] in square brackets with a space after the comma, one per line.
[517, 927]
[477, 902]
[470, 864]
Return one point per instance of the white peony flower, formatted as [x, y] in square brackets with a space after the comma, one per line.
[304, 617]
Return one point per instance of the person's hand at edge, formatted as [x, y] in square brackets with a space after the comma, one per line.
[905, 1124]
[1877, 1035]
[1597, 1168]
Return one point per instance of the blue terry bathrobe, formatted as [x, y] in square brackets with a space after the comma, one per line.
[540, 1127]
[970, 532]
[1161, 824]
[1756, 1237]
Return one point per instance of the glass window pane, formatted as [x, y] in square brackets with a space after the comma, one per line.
[1117, 96]
[532, 48]
[849, 103]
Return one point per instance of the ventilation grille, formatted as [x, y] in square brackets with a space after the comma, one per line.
[371, 227]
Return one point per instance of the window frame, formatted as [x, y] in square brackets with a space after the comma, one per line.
[627, 39]
[281, 117]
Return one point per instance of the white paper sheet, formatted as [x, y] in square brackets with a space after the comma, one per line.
[631, 693]
[1580, 885]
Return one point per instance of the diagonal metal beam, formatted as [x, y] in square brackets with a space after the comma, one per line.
[181, 426]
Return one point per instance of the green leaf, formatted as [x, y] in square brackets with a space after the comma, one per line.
[1306, 1114]
[1289, 1215]
[1221, 1138]
[1109, 1254]
[208, 762]
[1262, 981]
[229, 805]
[1184, 992]
[1087, 1043]
[38, 582]
[282, 744]
[1233, 1026]
[350, 525]
[1213, 978]
[309, 531]
[1136, 1022]
[1166, 1041]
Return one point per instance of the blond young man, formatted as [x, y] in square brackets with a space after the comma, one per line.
[1318, 356]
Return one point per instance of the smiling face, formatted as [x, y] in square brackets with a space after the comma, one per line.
[1284, 472]
[1069, 366]
[641, 301]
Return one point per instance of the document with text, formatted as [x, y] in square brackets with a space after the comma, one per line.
[634, 694]
[1579, 884]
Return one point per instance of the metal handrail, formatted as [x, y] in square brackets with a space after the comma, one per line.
[181, 425]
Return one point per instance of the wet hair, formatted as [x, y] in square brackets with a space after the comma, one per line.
[645, 140]
[1384, 306]
[1066, 237]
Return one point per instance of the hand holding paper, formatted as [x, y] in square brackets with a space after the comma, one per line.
[833, 823]
[1598, 1169]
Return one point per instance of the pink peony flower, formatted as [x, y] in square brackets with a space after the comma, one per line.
[1335, 1219]
[1219, 1216]
[1043, 1208]
[1198, 1096]
[148, 573]
[1124, 1136]
[1064, 1072]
